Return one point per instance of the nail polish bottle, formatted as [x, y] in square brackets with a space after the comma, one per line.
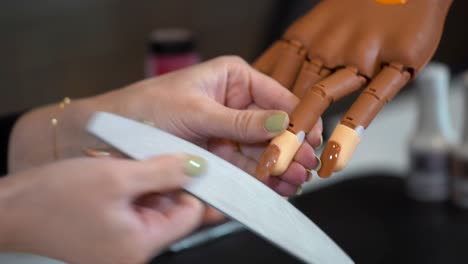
[170, 49]
[431, 143]
[459, 182]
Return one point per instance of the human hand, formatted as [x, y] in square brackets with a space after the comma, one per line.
[217, 105]
[91, 210]
[334, 50]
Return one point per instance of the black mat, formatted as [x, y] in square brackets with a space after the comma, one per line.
[370, 218]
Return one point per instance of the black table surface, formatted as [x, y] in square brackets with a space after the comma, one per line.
[370, 217]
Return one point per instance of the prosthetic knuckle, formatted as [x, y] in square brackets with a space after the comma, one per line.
[410, 57]
[365, 59]
[295, 37]
[330, 60]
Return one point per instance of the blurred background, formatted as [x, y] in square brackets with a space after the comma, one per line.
[56, 48]
[50, 49]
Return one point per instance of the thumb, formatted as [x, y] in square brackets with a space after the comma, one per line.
[246, 126]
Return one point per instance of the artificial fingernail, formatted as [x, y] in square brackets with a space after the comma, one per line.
[299, 190]
[267, 162]
[319, 164]
[320, 143]
[309, 176]
[194, 165]
[277, 122]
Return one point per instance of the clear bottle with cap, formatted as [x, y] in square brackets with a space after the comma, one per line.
[170, 49]
[430, 146]
[459, 182]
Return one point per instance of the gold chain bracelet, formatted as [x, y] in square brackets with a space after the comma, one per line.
[55, 122]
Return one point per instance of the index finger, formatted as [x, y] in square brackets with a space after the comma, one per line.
[282, 149]
[347, 134]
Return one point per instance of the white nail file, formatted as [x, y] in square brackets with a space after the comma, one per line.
[227, 188]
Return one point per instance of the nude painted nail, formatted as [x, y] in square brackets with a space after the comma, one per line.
[267, 162]
[330, 156]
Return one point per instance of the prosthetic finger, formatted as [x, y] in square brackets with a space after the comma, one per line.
[279, 154]
[282, 62]
[267, 61]
[347, 135]
[289, 64]
[311, 72]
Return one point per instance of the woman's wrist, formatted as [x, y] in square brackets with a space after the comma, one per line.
[71, 136]
[35, 140]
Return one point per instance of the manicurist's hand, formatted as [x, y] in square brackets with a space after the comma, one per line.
[223, 105]
[89, 210]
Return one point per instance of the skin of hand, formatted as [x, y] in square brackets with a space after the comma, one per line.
[340, 46]
[221, 105]
[88, 210]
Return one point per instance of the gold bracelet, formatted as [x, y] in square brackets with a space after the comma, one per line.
[55, 121]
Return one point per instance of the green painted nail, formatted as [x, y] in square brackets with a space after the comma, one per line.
[194, 165]
[276, 122]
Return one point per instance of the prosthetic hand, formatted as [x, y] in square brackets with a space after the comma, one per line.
[334, 50]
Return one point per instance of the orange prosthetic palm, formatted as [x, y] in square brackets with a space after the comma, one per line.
[385, 42]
